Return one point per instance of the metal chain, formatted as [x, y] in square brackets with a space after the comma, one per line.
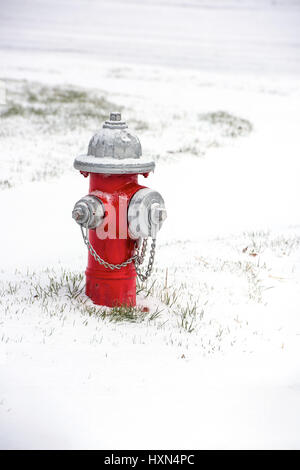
[101, 261]
[138, 258]
[147, 274]
[141, 256]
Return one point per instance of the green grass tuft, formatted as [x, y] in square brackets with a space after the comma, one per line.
[229, 124]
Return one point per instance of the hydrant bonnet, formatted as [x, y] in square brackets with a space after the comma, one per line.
[114, 150]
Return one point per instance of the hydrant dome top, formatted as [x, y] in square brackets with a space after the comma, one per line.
[114, 150]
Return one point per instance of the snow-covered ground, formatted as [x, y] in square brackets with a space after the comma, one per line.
[212, 90]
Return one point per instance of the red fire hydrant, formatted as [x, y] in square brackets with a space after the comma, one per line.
[118, 215]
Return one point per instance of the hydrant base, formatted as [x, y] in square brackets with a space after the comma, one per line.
[111, 293]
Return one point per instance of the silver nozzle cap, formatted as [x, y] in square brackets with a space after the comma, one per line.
[81, 213]
[88, 211]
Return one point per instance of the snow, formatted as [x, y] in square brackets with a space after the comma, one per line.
[110, 164]
[71, 378]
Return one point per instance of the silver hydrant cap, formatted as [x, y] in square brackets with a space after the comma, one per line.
[115, 150]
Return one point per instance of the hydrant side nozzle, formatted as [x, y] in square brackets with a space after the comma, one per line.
[146, 213]
[88, 211]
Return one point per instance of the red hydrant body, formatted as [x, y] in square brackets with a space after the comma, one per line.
[105, 286]
[119, 213]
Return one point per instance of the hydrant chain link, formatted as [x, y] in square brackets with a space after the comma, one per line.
[137, 258]
[140, 257]
[100, 260]
[148, 271]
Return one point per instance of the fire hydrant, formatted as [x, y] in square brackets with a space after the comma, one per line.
[118, 215]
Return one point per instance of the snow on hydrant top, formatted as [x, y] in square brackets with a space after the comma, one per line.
[114, 149]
